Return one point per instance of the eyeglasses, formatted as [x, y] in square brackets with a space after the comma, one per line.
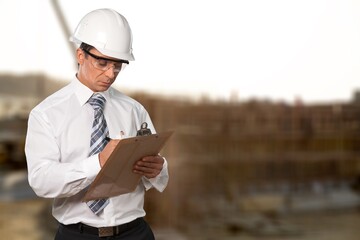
[104, 64]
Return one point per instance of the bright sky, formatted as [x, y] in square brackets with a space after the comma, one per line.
[265, 49]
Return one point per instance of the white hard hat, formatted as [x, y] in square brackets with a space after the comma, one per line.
[107, 31]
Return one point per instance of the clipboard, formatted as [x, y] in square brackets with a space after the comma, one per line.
[116, 177]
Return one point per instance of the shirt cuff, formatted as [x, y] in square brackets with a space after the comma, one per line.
[159, 182]
[91, 167]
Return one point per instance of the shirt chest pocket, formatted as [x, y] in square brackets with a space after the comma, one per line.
[75, 138]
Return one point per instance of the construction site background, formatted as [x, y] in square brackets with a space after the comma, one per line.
[238, 170]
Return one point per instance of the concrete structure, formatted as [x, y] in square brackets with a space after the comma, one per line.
[226, 158]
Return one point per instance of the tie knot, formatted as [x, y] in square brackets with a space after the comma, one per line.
[97, 101]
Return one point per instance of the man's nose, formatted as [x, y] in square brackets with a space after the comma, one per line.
[110, 72]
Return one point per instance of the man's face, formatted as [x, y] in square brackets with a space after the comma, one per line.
[94, 78]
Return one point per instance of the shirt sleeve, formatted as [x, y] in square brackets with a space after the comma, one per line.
[159, 182]
[48, 175]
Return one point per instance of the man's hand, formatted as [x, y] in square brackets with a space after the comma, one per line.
[108, 149]
[149, 166]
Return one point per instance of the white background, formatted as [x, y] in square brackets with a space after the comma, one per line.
[265, 49]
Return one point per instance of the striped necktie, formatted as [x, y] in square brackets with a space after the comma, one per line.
[98, 141]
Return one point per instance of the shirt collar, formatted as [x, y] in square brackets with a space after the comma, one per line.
[83, 93]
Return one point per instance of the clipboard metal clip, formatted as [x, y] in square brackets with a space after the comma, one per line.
[144, 130]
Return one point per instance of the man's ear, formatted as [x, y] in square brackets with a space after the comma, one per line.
[80, 56]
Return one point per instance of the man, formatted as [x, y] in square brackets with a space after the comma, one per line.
[67, 139]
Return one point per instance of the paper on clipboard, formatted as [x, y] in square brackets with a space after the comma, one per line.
[116, 177]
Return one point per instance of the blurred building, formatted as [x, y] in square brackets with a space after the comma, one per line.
[232, 157]
[225, 157]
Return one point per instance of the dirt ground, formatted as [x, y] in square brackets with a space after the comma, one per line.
[29, 219]
[333, 225]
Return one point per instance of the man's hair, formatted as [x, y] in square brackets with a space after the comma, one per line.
[86, 47]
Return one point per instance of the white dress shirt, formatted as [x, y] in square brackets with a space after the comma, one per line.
[57, 148]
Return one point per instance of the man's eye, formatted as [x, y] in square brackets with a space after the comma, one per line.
[102, 63]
